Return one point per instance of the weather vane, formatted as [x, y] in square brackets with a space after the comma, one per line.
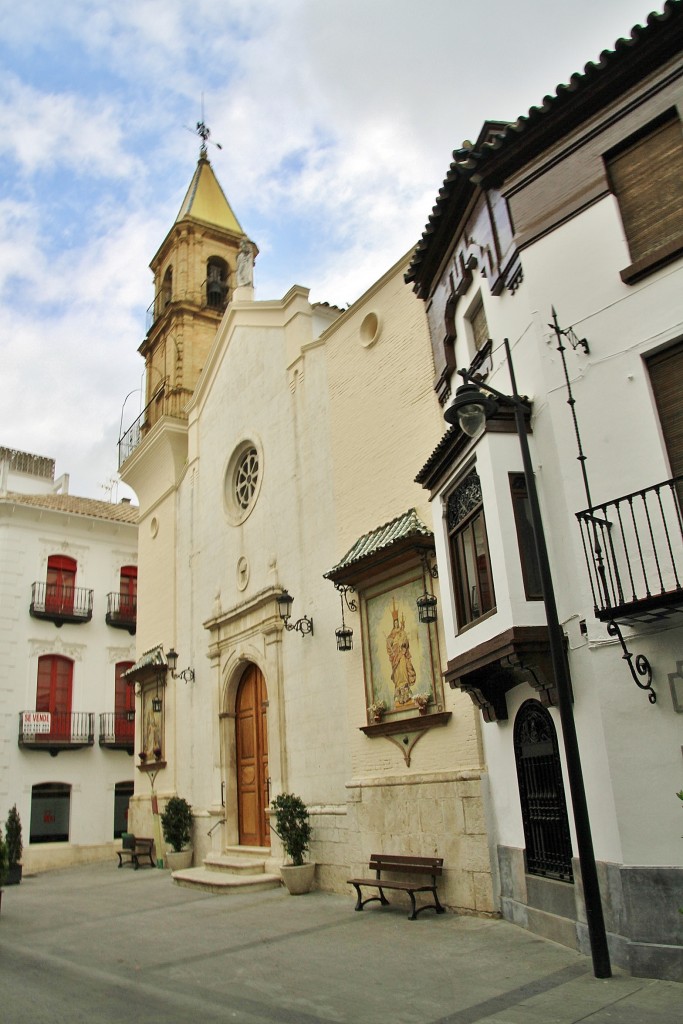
[204, 133]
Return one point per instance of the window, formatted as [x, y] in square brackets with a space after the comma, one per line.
[123, 791]
[646, 175]
[124, 702]
[666, 377]
[479, 326]
[473, 582]
[531, 573]
[53, 694]
[61, 582]
[216, 283]
[167, 289]
[50, 812]
[128, 591]
[242, 482]
[541, 793]
[246, 478]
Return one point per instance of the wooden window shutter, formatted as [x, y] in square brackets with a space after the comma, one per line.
[647, 179]
[666, 375]
[480, 329]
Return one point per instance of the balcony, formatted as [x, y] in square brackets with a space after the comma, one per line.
[56, 730]
[61, 604]
[117, 731]
[122, 611]
[634, 554]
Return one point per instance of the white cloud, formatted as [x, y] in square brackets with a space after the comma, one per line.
[337, 119]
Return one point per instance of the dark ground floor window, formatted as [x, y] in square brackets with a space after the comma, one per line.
[50, 813]
[541, 792]
[123, 791]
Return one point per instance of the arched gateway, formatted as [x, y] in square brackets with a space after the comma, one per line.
[251, 742]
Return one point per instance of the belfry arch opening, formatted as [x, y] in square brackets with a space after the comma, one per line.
[216, 283]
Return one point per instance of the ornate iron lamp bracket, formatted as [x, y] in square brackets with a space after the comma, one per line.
[351, 604]
[642, 665]
[425, 558]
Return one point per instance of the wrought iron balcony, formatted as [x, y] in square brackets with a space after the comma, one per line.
[634, 553]
[61, 604]
[117, 731]
[166, 402]
[122, 611]
[56, 730]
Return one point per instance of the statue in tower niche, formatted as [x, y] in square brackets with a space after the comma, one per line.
[403, 673]
[245, 264]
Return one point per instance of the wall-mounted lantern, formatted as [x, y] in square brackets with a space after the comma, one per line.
[344, 634]
[187, 674]
[284, 604]
[426, 603]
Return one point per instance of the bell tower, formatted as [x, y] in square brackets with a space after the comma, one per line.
[195, 275]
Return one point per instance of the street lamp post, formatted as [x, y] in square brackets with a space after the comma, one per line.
[470, 409]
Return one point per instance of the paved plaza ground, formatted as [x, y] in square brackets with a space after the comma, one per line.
[106, 946]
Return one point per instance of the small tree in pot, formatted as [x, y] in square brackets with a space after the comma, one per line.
[293, 827]
[176, 823]
[14, 846]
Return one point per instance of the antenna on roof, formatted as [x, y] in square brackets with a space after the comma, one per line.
[204, 133]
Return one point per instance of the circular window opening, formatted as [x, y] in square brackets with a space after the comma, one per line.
[243, 481]
[246, 478]
[369, 330]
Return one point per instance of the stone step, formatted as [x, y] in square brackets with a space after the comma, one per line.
[244, 852]
[224, 882]
[234, 865]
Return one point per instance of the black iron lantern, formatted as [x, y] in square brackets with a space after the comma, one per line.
[426, 608]
[130, 715]
[172, 659]
[344, 637]
[303, 625]
[284, 605]
[156, 704]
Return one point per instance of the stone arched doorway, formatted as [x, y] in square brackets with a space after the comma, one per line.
[251, 745]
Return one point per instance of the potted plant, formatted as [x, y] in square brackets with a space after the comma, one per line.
[176, 823]
[422, 700]
[14, 846]
[376, 710]
[293, 827]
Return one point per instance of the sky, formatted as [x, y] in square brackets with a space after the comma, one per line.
[337, 120]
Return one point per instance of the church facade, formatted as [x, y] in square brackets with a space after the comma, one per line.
[288, 474]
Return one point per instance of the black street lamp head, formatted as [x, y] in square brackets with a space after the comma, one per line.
[172, 659]
[470, 409]
[284, 605]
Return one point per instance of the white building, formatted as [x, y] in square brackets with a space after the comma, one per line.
[68, 570]
[279, 455]
[577, 207]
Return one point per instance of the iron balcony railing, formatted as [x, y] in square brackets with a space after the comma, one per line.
[122, 611]
[117, 730]
[56, 730]
[60, 603]
[634, 552]
[132, 437]
[165, 402]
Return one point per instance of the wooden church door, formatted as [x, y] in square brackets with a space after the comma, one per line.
[251, 727]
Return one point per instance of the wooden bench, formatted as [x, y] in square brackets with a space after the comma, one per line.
[379, 862]
[134, 847]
